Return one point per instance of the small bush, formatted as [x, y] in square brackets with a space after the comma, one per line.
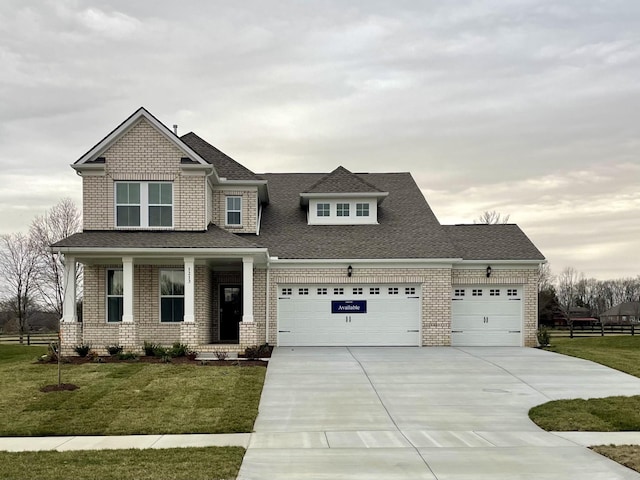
[544, 336]
[127, 356]
[255, 352]
[114, 349]
[52, 351]
[159, 351]
[82, 350]
[178, 350]
[149, 348]
[221, 354]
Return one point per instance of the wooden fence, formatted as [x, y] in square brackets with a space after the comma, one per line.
[30, 339]
[594, 330]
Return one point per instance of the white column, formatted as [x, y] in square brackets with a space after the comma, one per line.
[189, 290]
[247, 289]
[127, 289]
[69, 301]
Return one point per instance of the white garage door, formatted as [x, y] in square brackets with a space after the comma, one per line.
[343, 315]
[486, 315]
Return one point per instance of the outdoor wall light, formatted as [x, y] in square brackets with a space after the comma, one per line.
[349, 271]
[488, 271]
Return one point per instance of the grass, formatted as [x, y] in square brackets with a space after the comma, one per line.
[627, 455]
[124, 399]
[210, 463]
[610, 414]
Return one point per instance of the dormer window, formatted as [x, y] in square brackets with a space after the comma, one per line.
[144, 204]
[342, 209]
[362, 209]
[323, 209]
[234, 211]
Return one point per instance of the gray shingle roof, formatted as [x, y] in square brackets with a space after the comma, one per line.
[342, 180]
[408, 228]
[492, 242]
[214, 237]
[226, 166]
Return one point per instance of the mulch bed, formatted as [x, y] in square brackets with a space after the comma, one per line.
[174, 361]
[59, 388]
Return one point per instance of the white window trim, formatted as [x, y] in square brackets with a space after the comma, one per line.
[144, 206]
[227, 211]
[318, 209]
[160, 296]
[334, 219]
[107, 296]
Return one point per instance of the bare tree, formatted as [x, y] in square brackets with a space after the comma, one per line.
[567, 289]
[492, 218]
[545, 277]
[61, 221]
[18, 267]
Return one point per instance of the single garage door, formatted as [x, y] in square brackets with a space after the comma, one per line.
[343, 315]
[486, 316]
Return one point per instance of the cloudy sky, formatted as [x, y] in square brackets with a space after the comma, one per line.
[530, 108]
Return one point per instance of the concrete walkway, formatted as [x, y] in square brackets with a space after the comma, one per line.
[425, 413]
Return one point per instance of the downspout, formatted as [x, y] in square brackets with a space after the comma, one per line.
[266, 308]
[206, 203]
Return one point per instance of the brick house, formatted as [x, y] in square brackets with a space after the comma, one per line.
[182, 243]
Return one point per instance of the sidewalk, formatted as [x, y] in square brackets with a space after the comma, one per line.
[115, 442]
[61, 444]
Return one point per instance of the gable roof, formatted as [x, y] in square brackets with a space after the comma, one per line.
[407, 226]
[142, 113]
[492, 242]
[226, 166]
[622, 309]
[342, 180]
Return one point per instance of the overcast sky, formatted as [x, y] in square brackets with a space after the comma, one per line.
[530, 108]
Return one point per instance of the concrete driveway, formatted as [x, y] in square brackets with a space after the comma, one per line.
[423, 413]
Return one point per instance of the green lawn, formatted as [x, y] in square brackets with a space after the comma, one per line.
[611, 414]
[214, 463]
[124, 399]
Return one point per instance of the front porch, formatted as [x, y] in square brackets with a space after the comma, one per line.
[206, 302]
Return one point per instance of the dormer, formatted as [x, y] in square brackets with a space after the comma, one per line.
[342, 198]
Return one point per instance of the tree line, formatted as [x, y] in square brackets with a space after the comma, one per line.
[31, 274]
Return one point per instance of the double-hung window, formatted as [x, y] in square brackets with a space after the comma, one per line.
[144, 204]
[342, 209]
[323, 209]
[115, 289]
[234, 211]
[171, 295]
[362, 209]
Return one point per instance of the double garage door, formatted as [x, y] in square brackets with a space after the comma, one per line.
[343, 315]
[486, 316]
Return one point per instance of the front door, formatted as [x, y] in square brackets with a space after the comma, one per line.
[230, 313]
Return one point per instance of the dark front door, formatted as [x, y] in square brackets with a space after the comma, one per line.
[230, 313]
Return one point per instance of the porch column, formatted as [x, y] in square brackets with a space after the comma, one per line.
[247, 289]
[127, 289]
[189, 290]
[69, 314]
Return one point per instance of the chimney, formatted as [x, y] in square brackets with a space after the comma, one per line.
[175, 130]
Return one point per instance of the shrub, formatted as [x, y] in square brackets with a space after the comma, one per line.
[127, 356]
[159, 351]
[52, 351]
[221, 354]
[178, 350]
[255, 352]
[114, 349]
[149, 348]
[544, 336]
[82, 349]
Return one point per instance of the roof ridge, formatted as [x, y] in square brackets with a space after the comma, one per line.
[340, 170]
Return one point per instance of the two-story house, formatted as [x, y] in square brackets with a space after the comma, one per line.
[181, 243]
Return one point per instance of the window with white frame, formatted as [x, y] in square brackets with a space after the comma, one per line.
[171, 295]
[144, 204]
[342, 209]
[115, 299]
[362, 209]
[323, 209]
[234, 211]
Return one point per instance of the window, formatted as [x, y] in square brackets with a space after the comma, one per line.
[234, 210]
[323, 209]
[374, 291]
[476, 292]
[144, 204]
[303, 291]
[338, 291]
[459, 292]
[494, 292]
[128, 204]
[357, 291]
[393, 290]
[512, 292]
[322, 291]
[160, 205]
[171, 295]
[362, 209]
[286, 291]
[410, 290]
[114, 295]
[342, 209]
